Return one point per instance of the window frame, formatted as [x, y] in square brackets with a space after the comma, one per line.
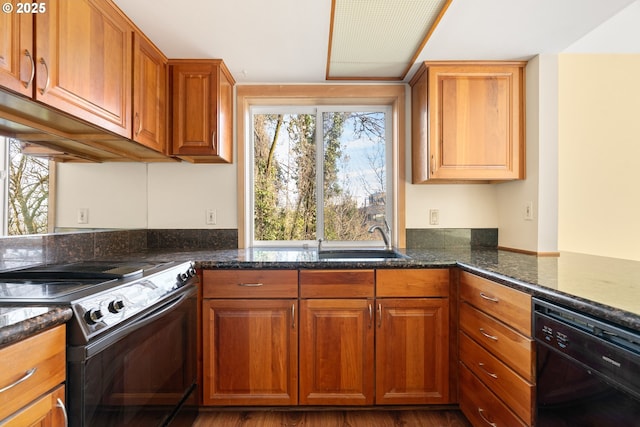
[363, 96]
[4, 190]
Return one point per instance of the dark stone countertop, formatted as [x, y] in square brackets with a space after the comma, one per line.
[19, 322]
[608, 288]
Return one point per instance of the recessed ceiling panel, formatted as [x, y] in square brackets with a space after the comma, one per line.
[379, 39]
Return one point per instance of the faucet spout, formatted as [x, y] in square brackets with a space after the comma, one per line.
[385, 235]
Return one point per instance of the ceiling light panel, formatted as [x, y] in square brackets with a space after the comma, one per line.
[379, 39]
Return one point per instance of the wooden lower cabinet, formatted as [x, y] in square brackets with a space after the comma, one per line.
[482, 407]
[412, 351]
[335, 344]
[31, 369]
[336, 352]
[48, 411]
[250, 352]
[497, 354]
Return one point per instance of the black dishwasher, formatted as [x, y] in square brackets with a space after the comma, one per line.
[588, 370]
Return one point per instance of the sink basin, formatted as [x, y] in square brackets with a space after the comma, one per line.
[360, 254]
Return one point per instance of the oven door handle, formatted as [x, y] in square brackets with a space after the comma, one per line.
[141, 322]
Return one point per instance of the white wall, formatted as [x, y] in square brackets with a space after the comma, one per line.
[114, 193]
[600, 154]
[137, 195]
[180, 194]
[540, 186]
[599, 140]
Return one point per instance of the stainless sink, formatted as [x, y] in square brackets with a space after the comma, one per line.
[360, 254]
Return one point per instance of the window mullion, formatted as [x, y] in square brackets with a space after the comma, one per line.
[319, 142]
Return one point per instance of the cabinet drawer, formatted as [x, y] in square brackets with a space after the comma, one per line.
[412, 283]
[503, 381]
[30, 368]
[509, 305]
[481, 406]
[46, 411]
[250, 284]
[503, 342]
[336, 283]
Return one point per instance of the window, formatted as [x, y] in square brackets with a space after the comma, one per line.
[25, 190]
[313, 100]
[320, 173]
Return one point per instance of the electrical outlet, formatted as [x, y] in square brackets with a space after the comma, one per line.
[212, 215]
[434, 216]
[83, 216]
[528, 211]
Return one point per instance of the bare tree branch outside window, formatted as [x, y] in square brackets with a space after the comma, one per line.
[354, 175]
[28, 192]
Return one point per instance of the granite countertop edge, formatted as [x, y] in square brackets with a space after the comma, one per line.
[518, 271]
[19, 331]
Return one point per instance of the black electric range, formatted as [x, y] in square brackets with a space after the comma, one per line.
[135, 320]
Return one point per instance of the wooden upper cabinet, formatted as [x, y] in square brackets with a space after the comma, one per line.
[17, 64]
[468, 121]
[149, 94]
[83, 62]
[202, 111]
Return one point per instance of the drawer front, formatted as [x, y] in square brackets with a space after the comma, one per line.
[412, 283]
[505, 343]
[46, 411]
[336, 283]
[30, 368]
[509, 305]
[503, 381]
[250, 284]
[481, 406]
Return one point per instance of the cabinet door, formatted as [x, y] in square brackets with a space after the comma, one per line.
[250, 352]
[202, 93]
[468, 121]
[83, 67]
[17, 66]
[475, 117]
[149, 95]
[336, 352]
[48, 411]
[412, 351]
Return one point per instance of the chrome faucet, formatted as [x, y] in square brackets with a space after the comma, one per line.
[385, 234]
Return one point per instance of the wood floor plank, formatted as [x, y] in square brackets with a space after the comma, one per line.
[332, 418]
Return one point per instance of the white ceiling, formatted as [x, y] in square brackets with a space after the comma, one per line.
[286, 41]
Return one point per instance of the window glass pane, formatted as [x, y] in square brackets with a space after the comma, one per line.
[28, 192]
[354, 174]
[284, 177]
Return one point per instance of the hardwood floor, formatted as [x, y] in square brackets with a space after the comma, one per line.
[332, 418]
